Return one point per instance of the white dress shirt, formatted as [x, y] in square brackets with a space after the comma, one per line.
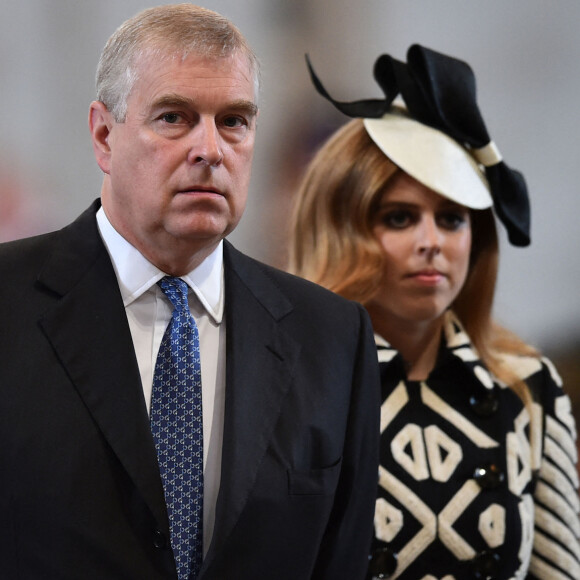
[149, 312]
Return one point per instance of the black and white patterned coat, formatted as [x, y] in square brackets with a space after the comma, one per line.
[472, 484]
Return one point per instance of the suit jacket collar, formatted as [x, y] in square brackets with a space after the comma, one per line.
[88, 330]
[259, 373]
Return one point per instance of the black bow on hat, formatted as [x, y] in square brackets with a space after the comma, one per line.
[439, 91]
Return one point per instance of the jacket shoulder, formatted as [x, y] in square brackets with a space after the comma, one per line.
[266, 281]
[21, 260]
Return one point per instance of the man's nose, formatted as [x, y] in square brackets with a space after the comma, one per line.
[206, 146]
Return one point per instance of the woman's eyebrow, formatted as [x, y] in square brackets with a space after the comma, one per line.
[396, 203]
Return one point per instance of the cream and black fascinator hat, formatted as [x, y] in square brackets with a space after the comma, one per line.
[438, 137]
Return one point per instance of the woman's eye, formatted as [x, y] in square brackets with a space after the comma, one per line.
[397, 219]
[452, 220]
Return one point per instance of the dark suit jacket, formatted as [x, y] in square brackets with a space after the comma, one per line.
[80, 492]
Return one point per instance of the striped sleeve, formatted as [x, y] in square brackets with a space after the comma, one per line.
[556, 549]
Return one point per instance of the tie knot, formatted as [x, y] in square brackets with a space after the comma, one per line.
[176, 290]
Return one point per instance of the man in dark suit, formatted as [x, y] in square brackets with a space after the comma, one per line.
[289, 379]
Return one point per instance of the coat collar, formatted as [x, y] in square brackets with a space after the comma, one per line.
[456, 349]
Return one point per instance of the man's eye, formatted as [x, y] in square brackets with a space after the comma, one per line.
[171, 118]
[234, 122]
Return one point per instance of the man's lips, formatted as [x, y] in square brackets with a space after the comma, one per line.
[200, 194]
[198, 189]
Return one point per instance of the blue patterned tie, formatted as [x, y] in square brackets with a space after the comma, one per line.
[177, 427]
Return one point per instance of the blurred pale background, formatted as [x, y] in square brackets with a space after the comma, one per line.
[525, 53]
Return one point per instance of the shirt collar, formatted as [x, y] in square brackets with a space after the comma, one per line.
[136, 274]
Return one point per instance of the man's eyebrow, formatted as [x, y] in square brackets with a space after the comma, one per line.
[172, 100]
[242, 105]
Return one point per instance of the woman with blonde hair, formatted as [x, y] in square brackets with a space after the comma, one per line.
[477, 475]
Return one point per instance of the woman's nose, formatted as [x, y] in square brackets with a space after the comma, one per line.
[429, 237]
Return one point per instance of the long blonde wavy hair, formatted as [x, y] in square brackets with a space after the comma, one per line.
[332, 241]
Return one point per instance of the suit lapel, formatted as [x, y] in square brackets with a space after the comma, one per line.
[259, 368]
[88, 330]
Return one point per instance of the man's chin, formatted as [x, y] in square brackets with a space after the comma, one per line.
[211, 233]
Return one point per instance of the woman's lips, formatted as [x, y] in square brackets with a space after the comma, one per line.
[427, 277]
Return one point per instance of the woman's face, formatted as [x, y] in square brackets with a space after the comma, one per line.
[426, 239]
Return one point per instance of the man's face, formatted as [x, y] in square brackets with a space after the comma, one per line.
[178, 168]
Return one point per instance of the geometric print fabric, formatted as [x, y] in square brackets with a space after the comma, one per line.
[460, 459]
[177, 428]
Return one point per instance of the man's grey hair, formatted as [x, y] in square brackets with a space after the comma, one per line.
[174, 30]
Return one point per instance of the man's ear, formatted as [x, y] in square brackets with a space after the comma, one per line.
[100, 124]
